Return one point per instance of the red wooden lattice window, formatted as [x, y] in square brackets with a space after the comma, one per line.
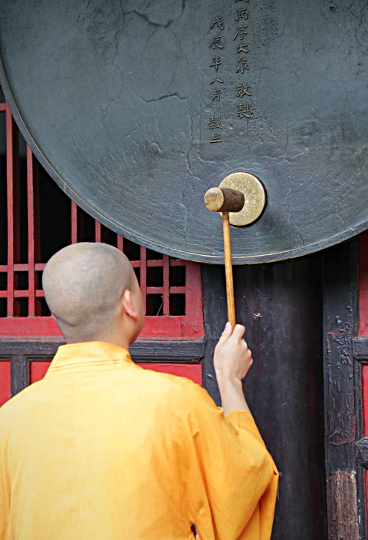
[5, 390]
[37, 219]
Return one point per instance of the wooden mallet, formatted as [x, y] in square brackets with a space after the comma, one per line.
[244, 196]
[226, 200]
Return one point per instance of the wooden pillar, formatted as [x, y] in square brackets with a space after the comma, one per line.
[281, 306]
[342, 384]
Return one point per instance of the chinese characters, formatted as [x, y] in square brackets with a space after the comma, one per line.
[233, 30]
[243, 88]
[216, 44]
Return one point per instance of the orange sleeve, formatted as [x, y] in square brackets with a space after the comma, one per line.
[236, 478]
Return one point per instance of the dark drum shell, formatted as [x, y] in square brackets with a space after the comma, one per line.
[137, 108]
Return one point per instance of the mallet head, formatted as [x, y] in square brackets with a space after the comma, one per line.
[242, 195]
[224, 200]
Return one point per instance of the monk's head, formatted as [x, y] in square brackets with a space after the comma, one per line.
[92, 291]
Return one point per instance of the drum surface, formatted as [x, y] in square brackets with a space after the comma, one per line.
[137, 107]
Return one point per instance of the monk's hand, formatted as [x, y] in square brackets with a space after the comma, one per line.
[233, 358]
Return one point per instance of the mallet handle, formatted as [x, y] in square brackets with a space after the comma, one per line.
[228, 270]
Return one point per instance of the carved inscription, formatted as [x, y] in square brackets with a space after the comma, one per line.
[236, 30]
[214, 122]
[242, 89]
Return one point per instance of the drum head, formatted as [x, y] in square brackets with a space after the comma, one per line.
[136, 108]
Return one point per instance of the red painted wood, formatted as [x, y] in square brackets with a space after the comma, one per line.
[365, 424]
[158, 290]
[29, 327]
[16, 207]
[37, 371]
[166, 286]
[31, 241]
[366, 492]
[10, 210]
[120, 242]
[157, 262]
[193, 326]
[143, 274]
[97, 231]
[22, 293]
[74, 223]
[36, 218]
[177, 290]
[189, 326]
[40, 293]
[166, 327]
[365, 398]
[174, 327]
[363, 331]
[363, 285]
[190, 371]
[5, 386]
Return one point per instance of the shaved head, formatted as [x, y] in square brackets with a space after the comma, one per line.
[83, 285]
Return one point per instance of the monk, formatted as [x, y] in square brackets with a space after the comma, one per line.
[102, 449]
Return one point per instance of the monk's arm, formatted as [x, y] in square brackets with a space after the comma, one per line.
[232, 477]
[232, 361]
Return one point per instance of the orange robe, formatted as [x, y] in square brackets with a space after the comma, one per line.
[102, 449]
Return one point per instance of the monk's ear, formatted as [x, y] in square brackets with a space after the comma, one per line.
[127, 305]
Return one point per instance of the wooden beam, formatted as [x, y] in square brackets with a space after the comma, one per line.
[344, 480]
[360, 348]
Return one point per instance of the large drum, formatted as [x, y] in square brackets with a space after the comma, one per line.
[136, 108]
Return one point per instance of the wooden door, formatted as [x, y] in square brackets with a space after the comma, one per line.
[305, 387]
[285, 386]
